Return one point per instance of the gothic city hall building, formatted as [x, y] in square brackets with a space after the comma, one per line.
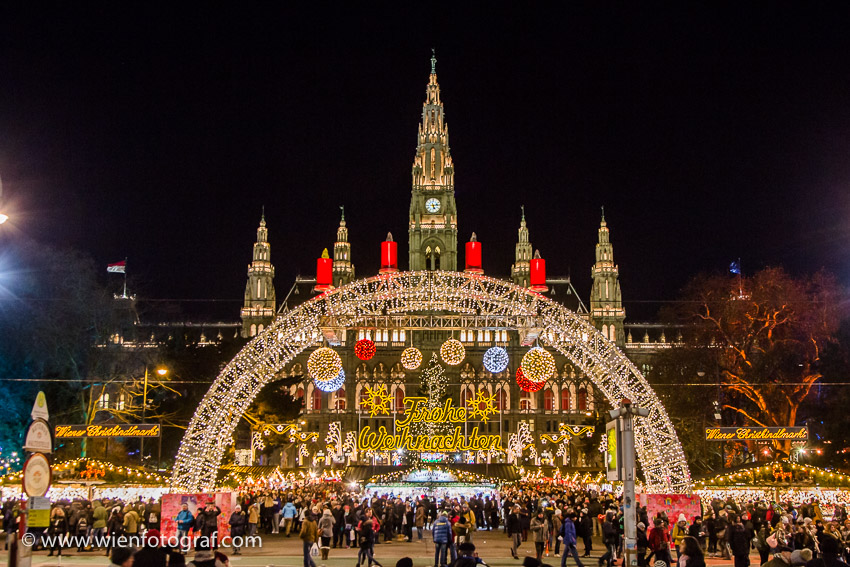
[396, 363]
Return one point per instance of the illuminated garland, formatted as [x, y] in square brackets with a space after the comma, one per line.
[527, 385]
[499, 302]
[452, 352]
[60, 470]
[324, 364]
[461, 475]
[496, 359]
[538, 365]
[411, 358]
[331, 385]
[777, 472]
[365, 349]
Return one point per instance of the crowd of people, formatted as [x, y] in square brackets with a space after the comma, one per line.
[560, 520]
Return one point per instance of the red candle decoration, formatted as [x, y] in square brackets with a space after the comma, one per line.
[538, 272]
[473, 256]
[389, 255]
[527, 385]
[364, 349]
[324, 271]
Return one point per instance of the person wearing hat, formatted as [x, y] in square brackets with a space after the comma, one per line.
[466, 551]
[680, 530]
[514, 528]
[238, 521]
[641, 544]
[540, 532]
[203, 558]
[568, 535]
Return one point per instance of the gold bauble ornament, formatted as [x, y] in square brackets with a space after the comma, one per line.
[324, 364]
[538, 365]
[452, 352]
[411, 358]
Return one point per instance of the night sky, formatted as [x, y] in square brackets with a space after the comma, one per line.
[707, 134]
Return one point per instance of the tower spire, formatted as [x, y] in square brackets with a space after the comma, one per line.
[343, 269]
[432, 226]
[606, 299]
[521, 268]
[259, 307]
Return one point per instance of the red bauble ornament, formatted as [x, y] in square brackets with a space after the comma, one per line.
[527, 385]
[364, 349]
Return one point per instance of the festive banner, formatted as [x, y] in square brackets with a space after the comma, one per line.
[673, 505]
[173, 503]
[757, 433]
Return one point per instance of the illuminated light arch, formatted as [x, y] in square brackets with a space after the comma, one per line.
[501, 303]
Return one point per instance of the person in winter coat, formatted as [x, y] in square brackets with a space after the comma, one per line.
[368, 534]
[584, 529]
[309, 534]
[680, 530]
[419, 520]
[441, 532]
[289, 513]
[697, 531]
[539, 529]
[131, 521]
[610, 537]
[58, 529]
[253, 518]
[326, 532]
[514, 527]
[739, 542]
[99, 517]
[568, 535]
[238, 523]
[114, 528]
[782, 557]
[641, 544]
[659, 543]
[557, 521]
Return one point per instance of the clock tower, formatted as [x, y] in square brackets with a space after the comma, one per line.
[432, 229]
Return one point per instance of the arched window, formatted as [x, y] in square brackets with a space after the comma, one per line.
[260, 329]
[399, 399]
[253, 330]
[501, 399]
[524, 400]
[339, 399]
[363, 396]
[548, 399]
[362, 371]
[103, 401]
[317, 399]
[465, 395]
[299, 394]
[605, 331]
[565, 398]
[582, 399]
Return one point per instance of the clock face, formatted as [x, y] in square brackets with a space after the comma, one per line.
[432, 205]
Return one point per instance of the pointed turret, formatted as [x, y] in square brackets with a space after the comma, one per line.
[343, 270]
[259, 307]
[606, 300]
[520, 268]
[432, 228]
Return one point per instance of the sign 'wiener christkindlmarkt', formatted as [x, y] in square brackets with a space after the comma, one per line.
[110, 430]
[756, 433]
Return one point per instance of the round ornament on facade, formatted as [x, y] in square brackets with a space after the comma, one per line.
[452, 352]
[324, 364]
[364, 349]
[331, 385]
[411, 358]
[496, 359]
[527, 385]
[538, 365]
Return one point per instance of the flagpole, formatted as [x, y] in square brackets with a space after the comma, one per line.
[125, 277]
[740, 285]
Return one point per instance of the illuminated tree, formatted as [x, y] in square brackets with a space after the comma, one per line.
[764, 336]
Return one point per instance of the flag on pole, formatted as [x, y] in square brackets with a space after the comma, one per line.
[735, 267]
[117, 267]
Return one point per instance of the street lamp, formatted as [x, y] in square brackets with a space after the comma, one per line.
[161, 372]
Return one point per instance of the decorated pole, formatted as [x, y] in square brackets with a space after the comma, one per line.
[324, 272]
[538, 273]
[389, 255]
[473, 256]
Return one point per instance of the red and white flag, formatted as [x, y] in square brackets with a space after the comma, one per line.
[117, 267]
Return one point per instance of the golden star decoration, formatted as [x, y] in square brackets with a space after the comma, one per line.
[481, 405]
[377, 401]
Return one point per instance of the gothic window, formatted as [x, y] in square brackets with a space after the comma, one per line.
[606, 289]
[468, 372]
[299, 394]
[260, 329]
[582, 399]
[399, 399]
[565, 398]
[253, 332]
[397, 372]
[339, 400]
[381, 371]
[612, 332]
[122, 400]
[605, 331]
[501, 399]
[317, 399]
[524, 401]
[548, 400]
[465, 395]
[362, 396]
